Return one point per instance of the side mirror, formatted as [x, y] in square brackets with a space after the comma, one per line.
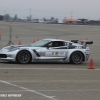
[49, 45]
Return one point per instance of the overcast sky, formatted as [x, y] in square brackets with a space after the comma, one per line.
[48, 8]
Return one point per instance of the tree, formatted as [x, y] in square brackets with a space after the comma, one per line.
[1, 17]
[52, 19]
[15, 17]
[7, 17]
[44, 19]
[29, 18]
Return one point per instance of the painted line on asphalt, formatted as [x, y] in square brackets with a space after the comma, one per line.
[49, 69]
[74, 90]
[52, 74]
[15, 91]
[50, 97]
[74, 81]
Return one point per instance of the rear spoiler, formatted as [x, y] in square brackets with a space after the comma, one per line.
[83, 42]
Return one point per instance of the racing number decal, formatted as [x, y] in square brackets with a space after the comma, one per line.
[55, 53]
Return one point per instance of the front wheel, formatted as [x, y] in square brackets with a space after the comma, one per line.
[23, 57]
[76, 58]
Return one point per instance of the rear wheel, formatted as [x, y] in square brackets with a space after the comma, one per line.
[76, 58]
[23, 57]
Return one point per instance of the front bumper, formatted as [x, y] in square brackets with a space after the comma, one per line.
[3, 56]
[8, 56]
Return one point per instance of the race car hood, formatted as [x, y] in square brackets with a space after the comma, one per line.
[18, 47]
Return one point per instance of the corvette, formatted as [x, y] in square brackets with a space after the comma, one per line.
[73, 51]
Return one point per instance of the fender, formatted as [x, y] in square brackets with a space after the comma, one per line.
[26, 49]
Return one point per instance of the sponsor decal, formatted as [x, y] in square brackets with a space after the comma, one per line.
[55, 54]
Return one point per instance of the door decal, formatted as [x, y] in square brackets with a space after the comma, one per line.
[55, 53]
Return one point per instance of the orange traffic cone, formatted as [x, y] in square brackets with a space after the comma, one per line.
[57, 37]
[86, 38]
[16, 36]
[91, 66]
[38, 39]
[80, 39]
[19, 42]
[33, 41]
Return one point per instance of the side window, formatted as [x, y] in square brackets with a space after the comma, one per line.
[58, 43]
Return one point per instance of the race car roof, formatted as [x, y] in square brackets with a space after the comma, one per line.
[63, 41]
[55, 40]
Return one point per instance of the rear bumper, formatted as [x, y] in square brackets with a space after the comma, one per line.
[87, 57]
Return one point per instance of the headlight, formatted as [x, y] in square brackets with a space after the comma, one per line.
[13, 49]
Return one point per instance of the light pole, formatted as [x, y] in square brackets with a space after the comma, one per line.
[10, 37]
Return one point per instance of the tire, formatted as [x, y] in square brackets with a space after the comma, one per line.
[24, 57]
[76, 58]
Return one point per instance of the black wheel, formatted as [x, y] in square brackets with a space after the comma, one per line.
[76, 58]
[23, 57]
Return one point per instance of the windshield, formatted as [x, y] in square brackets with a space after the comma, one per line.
[40, 43]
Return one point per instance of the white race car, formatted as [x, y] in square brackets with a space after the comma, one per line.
[73, 51]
